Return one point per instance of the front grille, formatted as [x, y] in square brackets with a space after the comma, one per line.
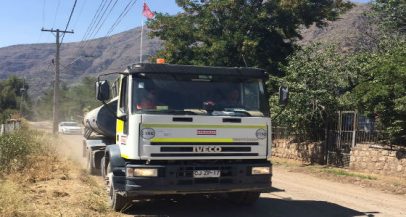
[205, 143]
[190, 149]
[202, 154]
[204, 149]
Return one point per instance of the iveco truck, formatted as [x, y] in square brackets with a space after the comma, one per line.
[175, 130]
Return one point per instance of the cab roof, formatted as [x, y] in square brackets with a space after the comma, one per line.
[149, 68]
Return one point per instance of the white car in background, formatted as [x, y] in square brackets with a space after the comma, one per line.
[69, 128]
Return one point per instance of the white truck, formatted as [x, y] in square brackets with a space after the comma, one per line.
[175, 129]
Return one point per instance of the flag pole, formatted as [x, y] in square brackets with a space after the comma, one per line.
[142, 31]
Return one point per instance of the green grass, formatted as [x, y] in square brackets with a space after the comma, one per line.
[342, 172]
[320, 169]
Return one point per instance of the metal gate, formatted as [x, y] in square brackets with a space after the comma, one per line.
[341, 138]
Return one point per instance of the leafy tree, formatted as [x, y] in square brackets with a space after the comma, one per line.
[239, 32]
[381, 90]
[81, 98]
[391, 13]
[11, 96]
[74, 101]
[316, 76]
[322, 81]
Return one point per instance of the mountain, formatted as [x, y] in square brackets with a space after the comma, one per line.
[33, 61]
[352, 31]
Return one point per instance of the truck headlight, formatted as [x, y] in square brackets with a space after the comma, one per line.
[260, 170]
[144, 172]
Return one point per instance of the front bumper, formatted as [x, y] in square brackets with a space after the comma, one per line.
[178, 179]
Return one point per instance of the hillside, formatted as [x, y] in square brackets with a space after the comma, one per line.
[351, 31]
[100, 55]
[114, 53]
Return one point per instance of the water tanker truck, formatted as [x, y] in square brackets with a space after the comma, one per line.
[175, 130]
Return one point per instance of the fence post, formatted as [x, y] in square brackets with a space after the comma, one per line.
[340, 126]
[1, 129]
[354, 129]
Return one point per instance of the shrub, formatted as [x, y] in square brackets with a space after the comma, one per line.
[16, 148]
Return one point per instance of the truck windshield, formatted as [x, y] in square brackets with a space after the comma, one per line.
[198, 95]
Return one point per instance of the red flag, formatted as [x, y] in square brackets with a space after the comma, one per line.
[147, 12]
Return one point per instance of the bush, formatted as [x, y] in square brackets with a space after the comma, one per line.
[15, 149]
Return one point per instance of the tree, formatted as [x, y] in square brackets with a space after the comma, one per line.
[11, 96]
[322, 81]
[316, 76]
[391, 13]
[239, 32]
[74, 101]
[381, 90]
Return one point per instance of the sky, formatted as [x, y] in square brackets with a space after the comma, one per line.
[21, 20]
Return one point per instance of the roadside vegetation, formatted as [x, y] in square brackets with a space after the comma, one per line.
[13, 98]
[369, 78]
[36, 181]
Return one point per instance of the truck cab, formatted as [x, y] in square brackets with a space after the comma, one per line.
[177, 129]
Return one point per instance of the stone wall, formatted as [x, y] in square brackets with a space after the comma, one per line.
[378, 160]
[311, 152]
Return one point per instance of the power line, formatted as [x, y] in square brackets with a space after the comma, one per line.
[127, 8]
[70, 17]
[111, 9]
[43, 20]
[56, 13]
[119, 19]
[95, 17]
[80, 13]
[43, 12]
[92, 33]
[121, 16]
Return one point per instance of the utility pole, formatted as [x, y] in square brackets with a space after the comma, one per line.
[56, 81]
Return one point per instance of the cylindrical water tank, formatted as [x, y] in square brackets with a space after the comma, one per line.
[102, 120]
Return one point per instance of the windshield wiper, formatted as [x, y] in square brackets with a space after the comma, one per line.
[169, 111]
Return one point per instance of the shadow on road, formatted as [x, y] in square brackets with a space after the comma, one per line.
[199, 206]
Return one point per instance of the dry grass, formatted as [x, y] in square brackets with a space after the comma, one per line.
[49, 185]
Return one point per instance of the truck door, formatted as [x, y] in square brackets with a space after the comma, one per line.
[122, 111]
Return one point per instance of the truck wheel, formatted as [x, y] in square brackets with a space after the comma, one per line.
[244, 198]
[116, 201]
[103, 168]
[89, 165]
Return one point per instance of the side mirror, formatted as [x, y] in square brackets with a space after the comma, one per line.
[102, 90]
[283, 96]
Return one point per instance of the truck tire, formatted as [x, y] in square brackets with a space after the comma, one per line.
[116, 201]
[89, 164]
[103, 168]
[244, 198]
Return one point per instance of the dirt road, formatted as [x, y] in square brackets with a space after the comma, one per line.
[295, 194]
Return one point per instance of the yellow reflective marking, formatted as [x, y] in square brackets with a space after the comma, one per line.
[119, 126]
[124, 156]
[200, 126]
[192, 140]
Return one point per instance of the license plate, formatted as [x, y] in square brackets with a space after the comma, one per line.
[206, 173]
